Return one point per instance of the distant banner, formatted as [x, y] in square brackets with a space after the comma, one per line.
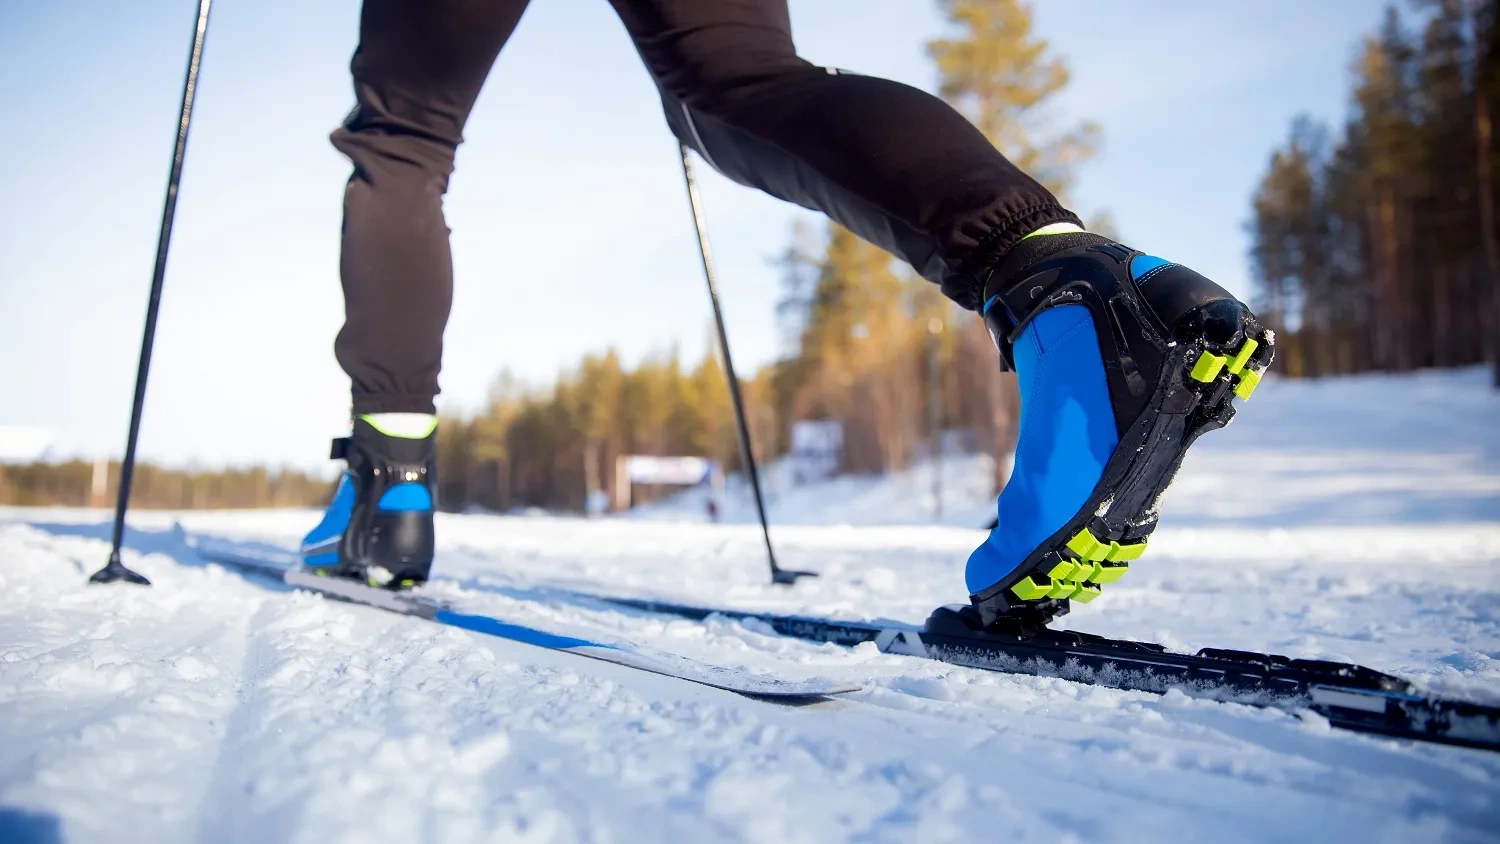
[681, 471]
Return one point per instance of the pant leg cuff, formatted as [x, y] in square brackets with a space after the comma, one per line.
[1006, 235]
[965, 283]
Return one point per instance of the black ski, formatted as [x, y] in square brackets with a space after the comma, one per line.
[1351, 697]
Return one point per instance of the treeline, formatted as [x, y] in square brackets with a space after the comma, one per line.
[549, 448]
[888, 357]
[1376, 247]
[83, 484]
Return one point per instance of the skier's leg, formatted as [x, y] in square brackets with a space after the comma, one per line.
[417, 72]
[890, 162]
[1123, 358]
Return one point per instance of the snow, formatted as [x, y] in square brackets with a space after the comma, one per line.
[1354, 519]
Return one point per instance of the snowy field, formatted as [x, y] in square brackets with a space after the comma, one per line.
[1355, 520]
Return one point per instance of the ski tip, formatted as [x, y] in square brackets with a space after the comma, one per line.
[793, 692]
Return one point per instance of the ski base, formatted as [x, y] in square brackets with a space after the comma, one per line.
[617, 653]
[1351, 697]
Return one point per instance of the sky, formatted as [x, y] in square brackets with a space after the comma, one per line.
[571, 231]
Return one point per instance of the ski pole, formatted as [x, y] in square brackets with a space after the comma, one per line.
[778, 574]
[115, 570]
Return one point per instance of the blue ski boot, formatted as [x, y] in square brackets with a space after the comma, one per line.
[378, 529]
[1123, 360]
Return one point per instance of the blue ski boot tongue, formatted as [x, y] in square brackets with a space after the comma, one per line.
[1067, 436]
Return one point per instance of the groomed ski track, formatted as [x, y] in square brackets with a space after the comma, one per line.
[1355, 520]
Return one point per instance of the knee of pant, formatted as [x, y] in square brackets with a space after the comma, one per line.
[718, 84]
[406, 156]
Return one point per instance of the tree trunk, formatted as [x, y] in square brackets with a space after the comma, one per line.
[1441, 311]
[1485, 163]
[1388, 317]
[1007, 427]
[590, 473]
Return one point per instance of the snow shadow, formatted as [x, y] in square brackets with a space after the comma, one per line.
[170, 542]
[29, 826]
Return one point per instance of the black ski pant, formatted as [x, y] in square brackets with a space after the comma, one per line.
[893, 164]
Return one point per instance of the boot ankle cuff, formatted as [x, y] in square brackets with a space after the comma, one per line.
[392, 403]
[1029, 251]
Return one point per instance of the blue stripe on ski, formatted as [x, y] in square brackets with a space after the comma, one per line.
[625, 655]
[515, 632]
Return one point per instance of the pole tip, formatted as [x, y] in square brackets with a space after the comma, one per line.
[788, 577]
[115, 570]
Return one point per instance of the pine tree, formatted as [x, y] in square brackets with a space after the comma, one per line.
[1381, 252]
[1000, 76]
[1482, 15]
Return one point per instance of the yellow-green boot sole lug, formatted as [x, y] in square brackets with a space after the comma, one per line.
[1096, 562]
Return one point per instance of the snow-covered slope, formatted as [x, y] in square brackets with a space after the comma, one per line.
[1356, 519]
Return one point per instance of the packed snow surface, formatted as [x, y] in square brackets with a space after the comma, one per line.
[1356, 519]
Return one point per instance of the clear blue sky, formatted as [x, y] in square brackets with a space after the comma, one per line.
[570, 230]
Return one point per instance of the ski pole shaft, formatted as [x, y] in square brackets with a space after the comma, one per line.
[115, 570]
[747, 453]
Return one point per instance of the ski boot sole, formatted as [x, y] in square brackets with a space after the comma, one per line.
[1199, 382]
